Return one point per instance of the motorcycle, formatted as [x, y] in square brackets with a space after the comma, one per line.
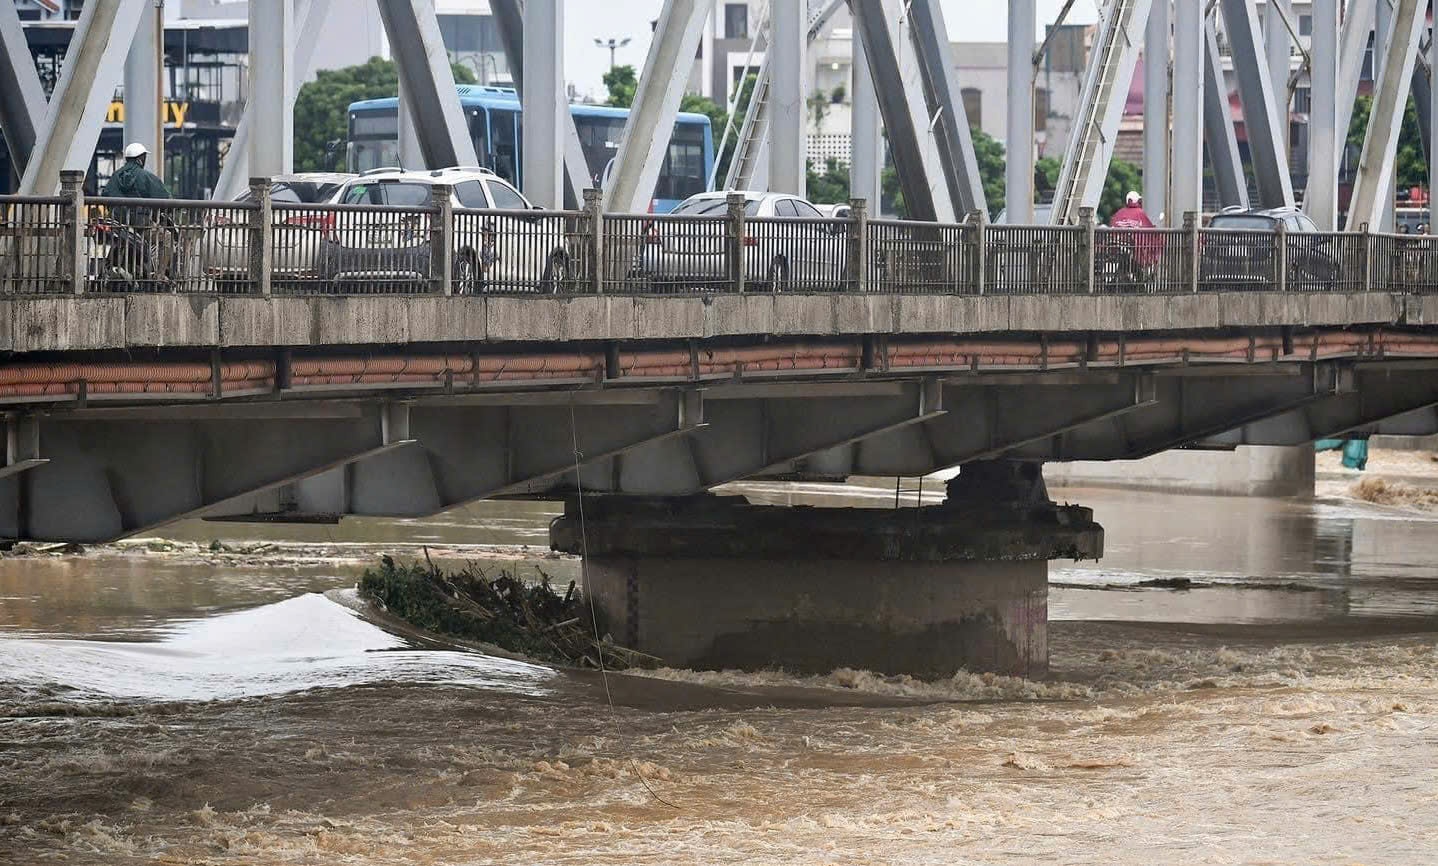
[137, 258]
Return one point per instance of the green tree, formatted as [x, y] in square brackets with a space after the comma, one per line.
[1122, 177]
[621, 82]
[830, 186]
[1411, 167]
[322, 105]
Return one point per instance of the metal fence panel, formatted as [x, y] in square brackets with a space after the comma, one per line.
[33, 251]
[669, 255]
[1237, 260]
[787, 254]
[140, 245]
[1035, 260]
[909, 257]
[1325, 261]
[501, 251]
[1142, 261]
[1409, 262]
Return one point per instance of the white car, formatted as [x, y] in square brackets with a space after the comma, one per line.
[808, 253]
[224, 249]
[523, 248]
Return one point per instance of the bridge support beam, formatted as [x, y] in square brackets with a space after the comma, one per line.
[1325, 139]
[545, 108]
[866, 155]
[1371, 199]
[1218, 134]
[22, 100]
[1019, 162]
[1186, 171]
[429, 90]
[710, 583]
[786, 53]
[143, 87]
[94, 63]
[1157, 55]
[1262, 117]
[272, 87]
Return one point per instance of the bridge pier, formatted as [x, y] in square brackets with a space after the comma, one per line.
[712, 582]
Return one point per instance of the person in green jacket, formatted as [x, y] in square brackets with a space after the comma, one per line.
[148, 254]
[133, 180]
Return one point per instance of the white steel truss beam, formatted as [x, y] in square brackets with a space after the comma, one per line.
[428, 82]
[785, 98]
[1186, 170]
[93, 66]
[1218, 134]
[656, 104]
[1262, 118]
[1110, 70]
[271, 39]
[948, 122]
[1328, 68]
[1019, 162]
[1376, 166]
[22, 99]
[1156, 63]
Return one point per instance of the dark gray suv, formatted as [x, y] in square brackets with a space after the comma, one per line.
[1241, 252]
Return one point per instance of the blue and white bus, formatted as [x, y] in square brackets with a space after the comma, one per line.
[493, 116]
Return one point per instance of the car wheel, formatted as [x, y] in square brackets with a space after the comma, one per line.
[466, 274]
[778, 276]
[556, 273]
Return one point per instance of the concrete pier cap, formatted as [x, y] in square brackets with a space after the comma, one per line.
[714, 582]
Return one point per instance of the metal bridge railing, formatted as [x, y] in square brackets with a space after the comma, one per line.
[67, 244]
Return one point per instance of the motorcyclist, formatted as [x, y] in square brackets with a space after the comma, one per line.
[133, 180]
[1147, 246]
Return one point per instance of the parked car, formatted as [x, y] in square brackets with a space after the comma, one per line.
[520, 249]
[297, 234]
[778, 255]
[1241, 252]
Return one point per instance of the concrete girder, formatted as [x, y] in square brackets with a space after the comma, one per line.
[1095, 132]
[143, 122]
[1218, 134]
[93, 66]
[899, 84]
[985, 421]
[111, 477]
[534, 452]
[1375, 177]
[1260, 97]
[509, 16]
[656, 104]
[1157, 55]
[428, 82]
[1331, 105]
[1186, 408]
[1381, 401]
[770, 430]
[1186, 169]
[235, 172]
[272, 89]
[22, 99]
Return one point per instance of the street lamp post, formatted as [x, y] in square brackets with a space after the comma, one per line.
[612, 45]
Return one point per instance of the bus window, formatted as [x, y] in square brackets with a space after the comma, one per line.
[599, 139]
[504, 144]
[374, 139]
[683, 173]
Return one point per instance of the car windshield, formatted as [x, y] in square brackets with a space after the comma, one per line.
[712, 207]
[1249, 222]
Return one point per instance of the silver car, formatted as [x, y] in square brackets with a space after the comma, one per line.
[225, 246]
[788, 244]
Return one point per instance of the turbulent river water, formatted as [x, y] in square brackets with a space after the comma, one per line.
[1238, 681]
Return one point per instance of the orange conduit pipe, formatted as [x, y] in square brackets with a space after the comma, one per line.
[127, 372]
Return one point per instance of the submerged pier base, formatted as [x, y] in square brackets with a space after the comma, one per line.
[712, 582]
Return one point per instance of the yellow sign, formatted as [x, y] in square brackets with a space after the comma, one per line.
[175, 112]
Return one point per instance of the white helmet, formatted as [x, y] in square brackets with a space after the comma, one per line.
[135, 150]
[1133, 199]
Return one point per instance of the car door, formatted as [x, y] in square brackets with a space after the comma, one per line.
[474, 234]
[821, 247]
[524, 244]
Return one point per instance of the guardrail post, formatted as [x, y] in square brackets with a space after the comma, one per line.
[980, 221]
[1190, 231]
[262, 235]
[1280, 257]
[73, 252]
[1086, 220]
[1367, 258]
[735, 203]
[594, 215]
[441, 239]
[858, 258]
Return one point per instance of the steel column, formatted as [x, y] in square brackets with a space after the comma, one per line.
[1433, 123]
[948, 122]
[93, 66]
[142, 88]
[651, 118]
[271, 87]
[1218, 132]
[1278, 51]
[1019, 168]
[22, 100]
[1186, 172]
[429, 90]
[543, 102]
[411, 152]
[1156, 57]
[1261, 99]
[1382, 38]
[1370, 199]
[786, 54]
[899, 87]
[865, 141]
[1325, 137]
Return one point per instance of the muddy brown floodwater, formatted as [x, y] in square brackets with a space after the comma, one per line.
[1239, 681]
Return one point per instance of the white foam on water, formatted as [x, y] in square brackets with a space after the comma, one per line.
[306, 642]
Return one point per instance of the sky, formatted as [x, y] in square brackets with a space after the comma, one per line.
[586, 20]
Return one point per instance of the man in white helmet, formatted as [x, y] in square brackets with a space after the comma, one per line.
[133, 180]
[1131, 215]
